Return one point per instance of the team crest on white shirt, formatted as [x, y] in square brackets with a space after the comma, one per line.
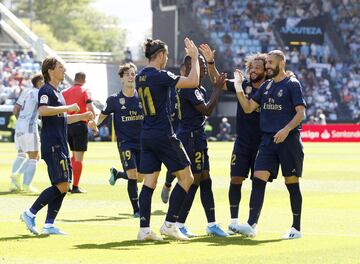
[44, 99]
[198, 95]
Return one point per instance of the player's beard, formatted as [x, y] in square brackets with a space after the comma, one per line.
[274, 72]
[258, 78]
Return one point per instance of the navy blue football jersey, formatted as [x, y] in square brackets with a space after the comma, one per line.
[174, 108]
[247, 125]
[190, 118]
[128, 118]
[277, 103]
[153, 87]
[54, 128]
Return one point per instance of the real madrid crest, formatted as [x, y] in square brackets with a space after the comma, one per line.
[280, 93]
[248, 89]
[140, 105]
[122, 101]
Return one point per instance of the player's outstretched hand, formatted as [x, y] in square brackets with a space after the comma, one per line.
[207, 52]
[191, 48]
[238, 80]
[74, 108]
[220, 81]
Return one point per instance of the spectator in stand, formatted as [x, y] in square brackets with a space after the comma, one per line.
[224, 130]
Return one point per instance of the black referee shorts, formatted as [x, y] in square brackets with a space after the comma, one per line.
[78, 136]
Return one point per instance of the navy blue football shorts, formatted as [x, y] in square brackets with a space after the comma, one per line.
[289, 154]
[243, 160]
[196, 147]
[167, 150]
[58, 165]
[129, 157]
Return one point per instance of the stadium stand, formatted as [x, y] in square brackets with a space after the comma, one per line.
[17, 69]
[330, 78]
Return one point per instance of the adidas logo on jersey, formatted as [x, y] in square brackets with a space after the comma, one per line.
[123, 107]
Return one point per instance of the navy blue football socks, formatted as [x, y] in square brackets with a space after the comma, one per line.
[185, 209]
[133, 194]
[45, 198]
[296, 202]
[256, 200]
[234, 199]
[207, 199]
[145, 205]
[169, 179]
[53, 208]
[121, 174]
[175, 203]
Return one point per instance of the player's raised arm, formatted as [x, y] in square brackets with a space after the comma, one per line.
[207, 109]
[192, 80]
[247, 105]
[209, 56]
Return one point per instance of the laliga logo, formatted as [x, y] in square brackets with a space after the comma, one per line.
[325, 134]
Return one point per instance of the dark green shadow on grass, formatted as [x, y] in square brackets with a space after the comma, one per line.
[9, 193]
[210, 240]
[22, 237]
[158, 212]
[231, 241]
[99, 218]
[122, 245]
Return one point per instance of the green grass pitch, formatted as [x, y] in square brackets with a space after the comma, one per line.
[101, 228]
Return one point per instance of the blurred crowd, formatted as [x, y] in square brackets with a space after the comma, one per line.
[242, 27]
[16, 71]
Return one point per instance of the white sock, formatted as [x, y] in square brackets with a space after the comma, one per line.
[29, 171]
[30, 213]
[234, 221]
[169, 224]
[18, 163]
[211, 224]
[145, 229]
[48, 225]
[179, 225]
[254, 226]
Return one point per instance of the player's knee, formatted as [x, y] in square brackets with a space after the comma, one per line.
[150, 181]
[262, 175]
[291, 179]
[140, 177]
[132, 174]
[237, 180]
[63, 187]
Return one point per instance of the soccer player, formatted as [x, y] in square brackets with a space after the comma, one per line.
[248, 130]
[165, 192]
[78, 131]
[282, 107]
[27, 139]
[54, 150]
[193, 109]
[158, 140]
[128, 118]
